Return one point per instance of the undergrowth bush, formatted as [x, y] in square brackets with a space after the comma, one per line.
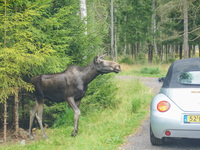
[100, 93]
[66, 118]
[138, 98]
[127, 60]
[151, 70]
[136, 105]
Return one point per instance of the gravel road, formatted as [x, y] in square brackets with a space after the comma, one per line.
[141, 141]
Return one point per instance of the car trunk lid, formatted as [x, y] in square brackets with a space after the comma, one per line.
[187, 99]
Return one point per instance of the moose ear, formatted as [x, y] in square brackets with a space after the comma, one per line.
[96, 59]
[103, 56]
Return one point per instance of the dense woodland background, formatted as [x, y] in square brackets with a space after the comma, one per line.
[46, 36]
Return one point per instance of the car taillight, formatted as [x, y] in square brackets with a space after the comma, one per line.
[163, 106]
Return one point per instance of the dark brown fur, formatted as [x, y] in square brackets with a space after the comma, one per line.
[70, 85]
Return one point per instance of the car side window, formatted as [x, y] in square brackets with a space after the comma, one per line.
[192, 77]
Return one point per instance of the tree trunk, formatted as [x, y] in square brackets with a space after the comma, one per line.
[5, 122]
[129, 49]
[116, 38]
[159, 52]
[125, 41]
[163, 52]
[154, 25]
[83, 11]
[193, 50]
[5, 102]
[190, 49]
[150, 53]
[125, 46]
[185, 12]
[112, 28]
[135, 53]
[181, 49]
[16, 113]
[166, 52]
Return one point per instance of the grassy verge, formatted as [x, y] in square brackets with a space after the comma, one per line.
[150, 70]
[99, 129]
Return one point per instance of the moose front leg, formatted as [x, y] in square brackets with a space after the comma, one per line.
[77, 113]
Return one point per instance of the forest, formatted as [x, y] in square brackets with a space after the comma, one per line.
[47, 36]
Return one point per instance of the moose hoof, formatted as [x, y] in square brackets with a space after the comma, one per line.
[74, 133]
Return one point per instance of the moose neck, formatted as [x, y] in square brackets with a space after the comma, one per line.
[89, 73]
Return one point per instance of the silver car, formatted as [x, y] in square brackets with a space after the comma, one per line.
[175, 111]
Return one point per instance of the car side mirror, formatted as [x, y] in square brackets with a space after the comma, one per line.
[161, 79]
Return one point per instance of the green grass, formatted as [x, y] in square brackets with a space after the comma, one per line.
[99, 129]
[150, 71]
[145, 70]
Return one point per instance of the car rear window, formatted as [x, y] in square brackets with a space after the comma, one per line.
[191, 77]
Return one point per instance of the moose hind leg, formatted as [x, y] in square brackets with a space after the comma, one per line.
[39, 118]
[32, 116]
[77, 113]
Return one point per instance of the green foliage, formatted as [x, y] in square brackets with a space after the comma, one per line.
[150, 71]
[136, 105]
[43, 37]
[134, 21]
[65, 118]
[127, 60]
[100, 93]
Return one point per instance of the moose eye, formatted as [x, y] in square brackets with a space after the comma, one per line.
[101, 62]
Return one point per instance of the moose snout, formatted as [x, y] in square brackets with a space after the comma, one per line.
[117, 68]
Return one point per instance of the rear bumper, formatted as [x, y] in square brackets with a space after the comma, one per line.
[193, 134]
[162, 122]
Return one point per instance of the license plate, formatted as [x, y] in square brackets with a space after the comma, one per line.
[191, 118]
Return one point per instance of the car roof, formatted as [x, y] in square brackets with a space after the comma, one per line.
[178, 67]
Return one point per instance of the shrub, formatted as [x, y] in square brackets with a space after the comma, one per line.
[127, 60]
[66, 118]
[101, 93]
[136, 105]
[151, 71]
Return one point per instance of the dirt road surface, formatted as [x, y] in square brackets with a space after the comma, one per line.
[141, 140]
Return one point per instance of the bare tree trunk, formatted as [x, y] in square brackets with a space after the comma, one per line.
[129, 49]
[116, 54]
[5, 102]
[181, 49]
[163, 52]
[193, 50]
[190, 49]
[135, 55]
[5, 122]
[154, 25]
[83, 11]
[116, 37]
[185, 12]
[125, 41]
[16, 114]
[112, 28]
[5, 28]
[125, 46]
[170, 50]
[150, 53]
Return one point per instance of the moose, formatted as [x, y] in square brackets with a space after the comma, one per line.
[69, 85]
